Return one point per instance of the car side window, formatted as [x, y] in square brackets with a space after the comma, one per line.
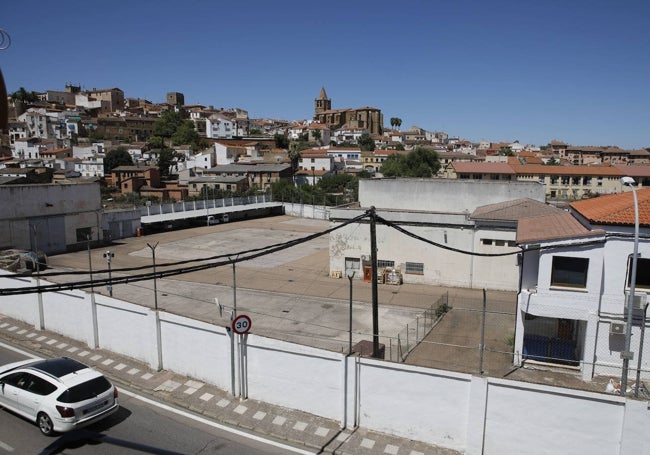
[39, 386]
[16, 379]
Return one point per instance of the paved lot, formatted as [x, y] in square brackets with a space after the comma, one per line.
[289, 295]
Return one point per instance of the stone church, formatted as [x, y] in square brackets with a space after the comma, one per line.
[369, 118]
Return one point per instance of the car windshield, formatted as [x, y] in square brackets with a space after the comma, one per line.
[85, 390]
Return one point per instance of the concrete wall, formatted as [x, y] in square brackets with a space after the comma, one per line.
[442, 265]
[475, 415]
[442, 195]
[55, 211]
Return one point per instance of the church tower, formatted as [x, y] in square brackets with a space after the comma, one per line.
[322, 103]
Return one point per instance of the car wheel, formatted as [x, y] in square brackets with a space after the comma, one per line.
[45, 424]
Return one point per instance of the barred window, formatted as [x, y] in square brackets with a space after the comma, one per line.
[416, 268]
[382, 264]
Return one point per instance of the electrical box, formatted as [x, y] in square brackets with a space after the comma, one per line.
[617, 328]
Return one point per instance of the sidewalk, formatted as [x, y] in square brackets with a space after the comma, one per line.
[295, 427]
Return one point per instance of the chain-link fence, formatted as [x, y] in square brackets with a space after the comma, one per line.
[465, 335]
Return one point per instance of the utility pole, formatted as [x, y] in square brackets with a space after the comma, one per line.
[375, 301]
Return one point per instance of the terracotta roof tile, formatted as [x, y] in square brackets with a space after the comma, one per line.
[567, 170]
[514, 210]
[615, 209]
[553, 227]
[481, 168]
[635, 170]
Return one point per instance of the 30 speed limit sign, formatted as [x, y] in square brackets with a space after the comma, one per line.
[241, 324]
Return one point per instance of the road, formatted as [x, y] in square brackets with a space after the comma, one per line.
[140, 426]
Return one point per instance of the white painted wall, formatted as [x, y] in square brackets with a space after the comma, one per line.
[442, 265]
[474, 415]
[443, 195]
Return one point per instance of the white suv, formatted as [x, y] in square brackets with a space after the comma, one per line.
[58, 394]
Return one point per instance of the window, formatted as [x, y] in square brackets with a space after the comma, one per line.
[382, 264]
[416, 268]
[352, 263]
[569, 271]
[500, 242]
[642, 273]
[83, 234]
[486, 241]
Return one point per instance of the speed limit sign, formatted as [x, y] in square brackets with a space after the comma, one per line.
[241, 324]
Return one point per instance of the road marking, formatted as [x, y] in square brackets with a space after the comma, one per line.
[217, 425]
[6, 447]
[185, 414]
[19, 351]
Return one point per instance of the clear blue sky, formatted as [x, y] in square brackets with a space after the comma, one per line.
[576, 71]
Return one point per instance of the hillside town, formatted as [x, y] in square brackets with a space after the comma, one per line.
[62, 135]
[548, 228]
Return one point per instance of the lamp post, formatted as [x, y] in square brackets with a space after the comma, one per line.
[109, 255]
[155, 290]
[627, 355]
[350, 275]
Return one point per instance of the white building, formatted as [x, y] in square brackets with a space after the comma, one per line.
[53, 218]
[219, 126]
[449, 220]
[575, 279]
[91, 165]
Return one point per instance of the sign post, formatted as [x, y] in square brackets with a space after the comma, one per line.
[241, 324]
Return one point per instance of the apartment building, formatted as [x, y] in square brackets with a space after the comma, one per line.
[561, 182]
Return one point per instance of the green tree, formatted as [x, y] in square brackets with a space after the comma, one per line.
[420, 162]
[506, 151]
[316, 134]
[117, 157]
[185, 134]
[281, 141]
[552, 162]
[23, 95]
[255, 132]
[399, 147]
[166, 158]
[167, 124]
[366, 143]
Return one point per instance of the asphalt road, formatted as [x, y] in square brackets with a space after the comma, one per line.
[138, 427]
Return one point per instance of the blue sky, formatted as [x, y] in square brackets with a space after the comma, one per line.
[576, 71]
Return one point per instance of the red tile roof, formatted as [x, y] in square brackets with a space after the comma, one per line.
[634, 170]
[615, 209]
[466, 167]
[553, 227]
[566, 170]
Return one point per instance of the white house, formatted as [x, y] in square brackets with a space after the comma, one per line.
[575, 283]
[219, 126]
[91, 165]
[29, 148]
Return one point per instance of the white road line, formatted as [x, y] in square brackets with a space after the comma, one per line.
[216, 425]
[19, 351]
[188, 415]
[6, 447]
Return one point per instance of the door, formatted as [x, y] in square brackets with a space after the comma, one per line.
[11, 390]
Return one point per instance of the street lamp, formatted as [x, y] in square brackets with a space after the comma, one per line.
[109, 255]
[350, 275]
[155, 290]
[627, 355]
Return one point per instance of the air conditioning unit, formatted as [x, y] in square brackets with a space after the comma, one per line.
[639, 301]
[617, 328]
